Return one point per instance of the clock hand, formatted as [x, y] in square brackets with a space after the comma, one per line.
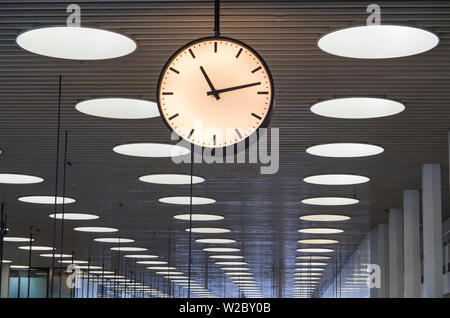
[232, 88]
[211, 86]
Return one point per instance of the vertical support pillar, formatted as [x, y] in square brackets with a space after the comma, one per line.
[432, 231]
[411, 242]
[383, 260]
[5, 280]
[373, 257]
[395, 253]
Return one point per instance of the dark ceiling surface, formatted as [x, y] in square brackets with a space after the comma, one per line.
[262, 211]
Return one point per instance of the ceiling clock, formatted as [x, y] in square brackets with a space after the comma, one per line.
[215, 92]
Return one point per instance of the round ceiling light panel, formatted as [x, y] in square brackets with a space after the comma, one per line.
[198, 217]
[235, 269]
[320, 230]
[311, 264]
[74, 216]
[215, 241]
[69, 261]
[318, 241]
[212, 230]
[96, 229]
[171, 179]
[313, 257]
[151, 262]
[344, 150]
[186, 200]
[227, 256]
[46, 199]
[357, 108]
[315, 250]
[118, 108]
[128, 249]
[9, 178]
[151, 150]
[378, 41]
[76, 43]
[56, 255]
[113, 240]
[140, 256]
[16, 239]
[167, 268]
[221, 249]
[231, 263]
[324, 217]
[36, 248]
[309, 269]
[330, 201]
[336, 179]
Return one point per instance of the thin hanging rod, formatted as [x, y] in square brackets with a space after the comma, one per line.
[58, 129]
[2, 234]
[190, 223]
[217, 18]
[62, 214]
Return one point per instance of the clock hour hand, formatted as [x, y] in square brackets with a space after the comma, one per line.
[211, 86]
[229, 89]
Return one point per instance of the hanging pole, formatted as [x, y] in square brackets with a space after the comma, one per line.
[62, 212]
[2, 234]
[190, 222]
[29, 261]
[58, 129]
[217, 18]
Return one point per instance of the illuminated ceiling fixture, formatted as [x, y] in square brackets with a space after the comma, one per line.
[151, 150]
[330, 201]
[309, 269]
[314, 250]
[235, 269]
[336, 179]
[344, 150]
[96, 229]
[56, 255]
[74, 216]
[9, 178]
[46, 199]
[18, 267]
[221, 249]
[307, 278]
[171, 179]
[141, 256]
[378, 41]
[6, 261]
[16, 239]
[307, 274]
[186, 200]
[310, 263]
[167, 268]
[168, 273]
[227, 256]
[69, 261]
[198, 217]
[36, 248]
[324, 217]
[128, 249]
[320, 230]
[215, 241]
[231, 263]
[118, 108]
[76, 43]
[238, 274]
[318, 241]
[357, 108]
[151, 262]
[113, 240]
[214, 230]
[315, 257]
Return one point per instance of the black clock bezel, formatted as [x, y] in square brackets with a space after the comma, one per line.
[265, 123]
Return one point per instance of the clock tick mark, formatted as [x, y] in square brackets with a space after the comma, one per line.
[192, 53]
[263, 93]
[174, 70]
[256, 116]
[214, 140]
[191, 133]
[167, 93]
[238, 133]
[173, 116]
[215, 47]
[238, 53]
[256, 69]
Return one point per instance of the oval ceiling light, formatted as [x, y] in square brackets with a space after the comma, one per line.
[36, 248]
[141, 256]
[215, 241]
[171, 179]
[227, 256]
[214, 230]
[118, 108]
[167, 268]
[96, 229]
[309, 269]
[9, 178]
[16, 239]
[311, 264]
[198, 217]
[169, 273]
[320, 230]
[6, 261]
[344, 150]
[315, 250]
[18, 266]
[186, 200]
[46, 199]
[128, 249]
[328, 201]
[69, 261]
[235, 269]
[357, 108]
[378, 41]
[74, 216]
[311, 257]
[308, 274]
[113, 240]
[151, 150]
[318, 241]
[151, 262]
[336, 179]
[324, 217]
[238, 274]
[231, 263]
[76, 43]
[221, 249]
[56, 255]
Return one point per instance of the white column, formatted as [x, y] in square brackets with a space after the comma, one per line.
[373, 241]
[383, 260]
[395, 253]
[432, 230]
[411, 242]
[5, 281]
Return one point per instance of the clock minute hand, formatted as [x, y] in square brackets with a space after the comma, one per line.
[211, 86]
[229, 89]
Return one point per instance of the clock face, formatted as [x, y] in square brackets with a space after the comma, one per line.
[215, 92]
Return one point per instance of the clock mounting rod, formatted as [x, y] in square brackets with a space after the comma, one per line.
[217, 18]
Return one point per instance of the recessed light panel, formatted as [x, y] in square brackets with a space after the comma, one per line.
[151, 262]
[311, 264]
[221, 249]
[96, 229]
[213, 230]
[140, 256]
[56, 255]
[329, 201]
[318, 241]
[378, 41]
[16, 239]
[151, 150]
[231, 263]
[336, 179]
[75, 216]
[324, 217]
[198, 217]
[113, 240]
[235, 269]
[76, 43]
[171, 179]
[311, 257]
[46, 199]
[6, 261]
[320, 230]
[167, 268]
[69, 261]
[344, 150]
[309, 269]
[128, 249]
[186, 200]
[8, 178]
[215, 241]
[315, 250]
[357, 108]
[227, 256]
[118, 108]
[36, 248]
